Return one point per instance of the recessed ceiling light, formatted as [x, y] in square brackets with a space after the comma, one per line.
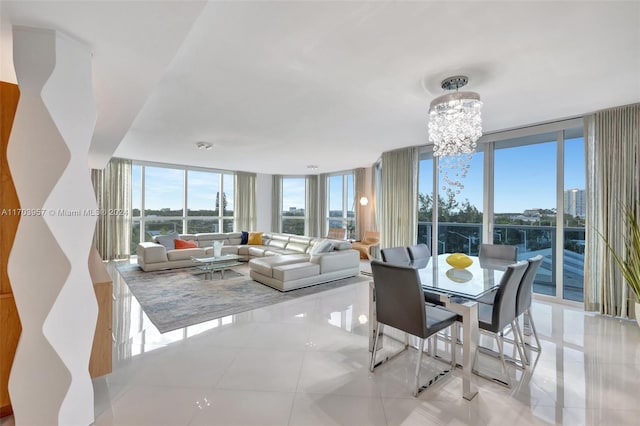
[312, 167]
[204, 145]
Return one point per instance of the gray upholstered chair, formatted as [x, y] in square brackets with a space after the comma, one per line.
[399, 302]
[496, 317]
[419, 251]
[523, 297]
[523, 301]
[397, 255]
[496, 255]
[498, 252]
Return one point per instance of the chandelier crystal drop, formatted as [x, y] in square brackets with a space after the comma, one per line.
[455, 123]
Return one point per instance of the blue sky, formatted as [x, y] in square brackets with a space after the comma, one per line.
[524, 178]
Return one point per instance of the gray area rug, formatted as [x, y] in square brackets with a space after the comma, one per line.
[179, 298]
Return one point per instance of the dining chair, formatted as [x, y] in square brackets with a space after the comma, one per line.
[494, 318]
[502, 256]
[419, 251]
[498, 252]
[399, 303]
[397, 255]
[523, 298]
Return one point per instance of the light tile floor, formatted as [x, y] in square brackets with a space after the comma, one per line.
[305, 362]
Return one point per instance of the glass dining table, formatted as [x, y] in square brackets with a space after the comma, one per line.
[458, 289]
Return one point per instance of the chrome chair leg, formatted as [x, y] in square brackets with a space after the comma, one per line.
[454, 345]
[503, 362]
[375, 347]
[536, 348]
[416, 390]
[519, 342]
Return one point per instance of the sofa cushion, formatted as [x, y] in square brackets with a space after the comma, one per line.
[184, 244]
[257, 251]
[255, 238]
[278, 244]
[244, 250]
[275, 252]
[297, 247]
[300, 239]
[149, 252]
[341, 245]
[167, 240]
[185, 254]
[322, 246]
[295, 271]
[265, 265]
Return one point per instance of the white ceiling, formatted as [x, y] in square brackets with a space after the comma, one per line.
[277, 86]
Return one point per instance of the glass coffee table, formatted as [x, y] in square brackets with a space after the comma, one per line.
[216, 263]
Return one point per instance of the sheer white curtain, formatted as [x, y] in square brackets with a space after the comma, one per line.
[112, 186]
[398, 197]
[322, 204]
[244, 213]
[612, 143]
[360, 190]
[276, 204]
[312, 225]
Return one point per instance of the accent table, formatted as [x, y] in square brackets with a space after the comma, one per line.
[216, 263]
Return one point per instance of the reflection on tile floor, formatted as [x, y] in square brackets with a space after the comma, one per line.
[305, 362]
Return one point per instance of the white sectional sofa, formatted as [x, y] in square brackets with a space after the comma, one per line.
[281, 261]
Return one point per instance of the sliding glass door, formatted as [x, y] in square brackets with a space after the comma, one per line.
[525, 208]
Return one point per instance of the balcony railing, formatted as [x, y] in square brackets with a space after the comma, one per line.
[530, 240]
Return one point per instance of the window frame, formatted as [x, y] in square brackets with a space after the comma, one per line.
[142, 219]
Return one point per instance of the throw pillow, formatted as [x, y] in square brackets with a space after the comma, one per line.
[244, 239]
[255, 238]
[322, 246]
[183, 244]
[168, 240]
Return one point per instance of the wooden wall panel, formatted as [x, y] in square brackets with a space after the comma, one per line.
[10, 324]
[100, 362]
[9, 321]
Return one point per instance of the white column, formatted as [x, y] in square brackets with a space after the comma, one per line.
[48, 265]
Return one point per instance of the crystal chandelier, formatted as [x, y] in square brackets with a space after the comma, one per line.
[455, 124]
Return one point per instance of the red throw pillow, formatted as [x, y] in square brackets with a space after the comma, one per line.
[183, 244]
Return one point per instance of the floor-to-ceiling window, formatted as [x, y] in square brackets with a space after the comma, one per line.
[525, 207]
[340, 196]
[136, 205]
[533, 179]
[293, 203]
[178, 199]
[459, 203]
[425, 198]
[574, 216]
[163, 191]
[209, 209]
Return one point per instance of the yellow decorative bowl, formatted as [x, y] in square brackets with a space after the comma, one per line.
[459, 260]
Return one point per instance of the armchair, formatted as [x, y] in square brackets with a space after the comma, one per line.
[370, 239]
